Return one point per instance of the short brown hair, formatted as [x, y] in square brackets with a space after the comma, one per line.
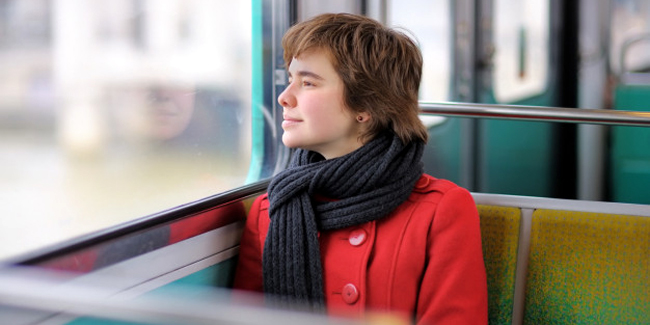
[380, 67]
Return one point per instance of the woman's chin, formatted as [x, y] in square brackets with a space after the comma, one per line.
[289, 142]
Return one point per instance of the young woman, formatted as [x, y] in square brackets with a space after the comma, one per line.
[354, 226]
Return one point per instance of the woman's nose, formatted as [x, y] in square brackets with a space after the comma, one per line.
[286, 98]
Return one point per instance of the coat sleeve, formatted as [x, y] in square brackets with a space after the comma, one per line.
[454, 285]
[249, 266]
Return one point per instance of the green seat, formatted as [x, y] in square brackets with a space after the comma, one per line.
[500, 237]
[588, 268]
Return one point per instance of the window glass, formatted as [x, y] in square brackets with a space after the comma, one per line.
[521, 40]
[630, 36]
[311, 8]
[429, 23]
[112, 110]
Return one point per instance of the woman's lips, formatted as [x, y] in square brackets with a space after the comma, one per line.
[289, 122]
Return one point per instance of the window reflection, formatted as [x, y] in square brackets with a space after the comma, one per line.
[521, 59]
[152, 112]
[112, 110]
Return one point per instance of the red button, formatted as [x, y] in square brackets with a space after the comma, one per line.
[357, 237]
[350, 294]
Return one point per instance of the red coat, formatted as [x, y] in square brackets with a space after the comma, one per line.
[424, 260]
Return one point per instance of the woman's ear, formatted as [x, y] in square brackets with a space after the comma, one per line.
[363, 117]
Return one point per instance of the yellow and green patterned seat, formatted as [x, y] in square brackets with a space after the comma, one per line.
[500, 236]
[588, 268]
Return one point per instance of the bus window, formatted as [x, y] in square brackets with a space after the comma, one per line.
[521, 58]
[113, 110]
[311, 8]
[630, 36]
[431, 27]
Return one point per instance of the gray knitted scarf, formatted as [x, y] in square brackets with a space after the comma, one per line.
[364, 185]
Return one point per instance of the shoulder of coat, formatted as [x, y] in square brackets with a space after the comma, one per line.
[263, 201]
[428, 183]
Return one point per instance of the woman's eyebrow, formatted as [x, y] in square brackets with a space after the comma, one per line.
[304, 73]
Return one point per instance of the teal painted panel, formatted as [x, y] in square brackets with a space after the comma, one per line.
[630, 155]
[442, 153]
[516, 157]
[257, 94]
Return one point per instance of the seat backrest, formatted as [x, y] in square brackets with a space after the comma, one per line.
[588, 268]
[500, 236]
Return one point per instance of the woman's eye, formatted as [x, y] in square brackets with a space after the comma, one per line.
[307, 83]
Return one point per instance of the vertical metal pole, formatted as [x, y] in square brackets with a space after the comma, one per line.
[463, 85]
[592, 79]
[376, 9]
[483, 90]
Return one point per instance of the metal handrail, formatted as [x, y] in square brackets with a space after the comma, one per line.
[534, 113]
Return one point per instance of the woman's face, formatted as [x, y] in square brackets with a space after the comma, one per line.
[170, 111]
[315, 116]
